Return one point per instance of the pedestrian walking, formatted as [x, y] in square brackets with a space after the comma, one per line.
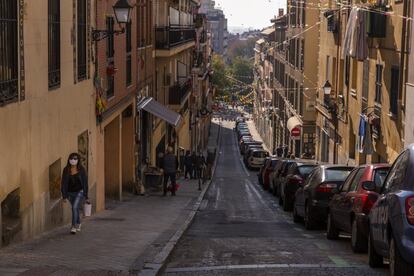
[170, 166]
[200, 164]
[75, 188]
[188, 163]
[194, 163]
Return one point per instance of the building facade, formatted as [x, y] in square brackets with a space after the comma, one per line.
[47, 110]
[361, 118]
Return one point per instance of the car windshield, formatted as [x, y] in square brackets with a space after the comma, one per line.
[306, 170]
[379, 176]
[337, 174]
[259, 154]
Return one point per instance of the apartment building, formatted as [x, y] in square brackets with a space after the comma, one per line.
[361, 100]
[47, 110]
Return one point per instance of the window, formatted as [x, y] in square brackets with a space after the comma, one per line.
[306, 170]
[337, 174]
[397, 173]
[395, 78]
[356, 180]
[110, 91]
[9, 68]
[82, 40]
[365, 82]
[379, 177]
[354, 74]
[128, 55]
[348, 181]
[54, 43]
[378, 83]
[347, 69]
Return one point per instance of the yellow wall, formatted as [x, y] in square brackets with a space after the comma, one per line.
[45, 126]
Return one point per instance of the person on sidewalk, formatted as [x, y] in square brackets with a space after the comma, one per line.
[200, 164]
[75, 188]
[170, 166]
[188, 163]
[210, 162]
[194, 164]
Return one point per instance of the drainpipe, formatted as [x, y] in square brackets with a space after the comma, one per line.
[403, 71]
[338, 62]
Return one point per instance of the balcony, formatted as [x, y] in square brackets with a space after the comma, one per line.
[179, 93]
[167, 38]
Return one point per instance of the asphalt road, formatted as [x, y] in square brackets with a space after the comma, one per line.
[240, 230]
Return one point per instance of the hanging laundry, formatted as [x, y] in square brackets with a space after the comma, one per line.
[355, 39]
[361, 133]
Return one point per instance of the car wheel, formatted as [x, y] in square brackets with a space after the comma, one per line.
[398, 266]
[296, 217]
[358, 241]
[309, 223]
[374, 259]
[286, 205]
[332, 232]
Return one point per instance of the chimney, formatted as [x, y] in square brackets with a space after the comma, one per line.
[281, 12]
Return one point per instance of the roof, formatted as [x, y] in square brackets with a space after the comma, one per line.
[260, 41]
[268, 31]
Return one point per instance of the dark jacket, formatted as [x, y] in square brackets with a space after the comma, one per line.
[188, 160]
[170, 163]
[65, 182]
[200, 162]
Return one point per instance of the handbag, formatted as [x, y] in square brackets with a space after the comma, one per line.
[87, 209]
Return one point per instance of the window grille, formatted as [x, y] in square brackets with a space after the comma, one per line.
[54, 43]
[82, 40]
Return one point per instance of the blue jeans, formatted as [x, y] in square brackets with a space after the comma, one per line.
[75, 200]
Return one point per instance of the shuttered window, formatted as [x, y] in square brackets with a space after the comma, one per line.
[54, 43]
[378, 83]
[81, 40]
[395, 78]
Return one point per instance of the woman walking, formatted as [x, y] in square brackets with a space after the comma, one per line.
[75, 188]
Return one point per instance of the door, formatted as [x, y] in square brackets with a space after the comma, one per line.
[349, 199]
[380, 211]
[338, 200]
[300, 199]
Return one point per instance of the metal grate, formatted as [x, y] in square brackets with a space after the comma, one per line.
[8, 52]
[54, 43]
[82, 26]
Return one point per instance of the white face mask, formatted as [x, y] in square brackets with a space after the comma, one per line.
[73, 162]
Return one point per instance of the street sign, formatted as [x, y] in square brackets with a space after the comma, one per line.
[295, 133]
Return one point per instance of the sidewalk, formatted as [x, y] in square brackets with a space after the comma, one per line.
[114, 242]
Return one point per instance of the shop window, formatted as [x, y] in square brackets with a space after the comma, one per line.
[55, 175]
[10, 217]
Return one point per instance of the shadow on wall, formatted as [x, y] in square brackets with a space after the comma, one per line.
[11, 224]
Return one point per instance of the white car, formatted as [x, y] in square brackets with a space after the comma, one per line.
[256, 158]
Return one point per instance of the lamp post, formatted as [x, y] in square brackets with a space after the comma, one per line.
[333, 110]
[122, 10]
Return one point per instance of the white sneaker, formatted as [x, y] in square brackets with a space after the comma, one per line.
[78, 227]
[73, 230]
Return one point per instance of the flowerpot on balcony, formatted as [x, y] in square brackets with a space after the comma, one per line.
[111, 70]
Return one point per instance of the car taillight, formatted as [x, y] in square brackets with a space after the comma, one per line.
[325, 188]
[367, 201]
[295, 180]
[409, 209]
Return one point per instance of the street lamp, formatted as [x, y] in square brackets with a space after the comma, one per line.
[327, 88]
[122, 11]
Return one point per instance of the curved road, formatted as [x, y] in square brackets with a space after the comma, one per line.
[240, 230]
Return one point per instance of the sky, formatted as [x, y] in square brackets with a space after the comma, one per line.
[250, 13]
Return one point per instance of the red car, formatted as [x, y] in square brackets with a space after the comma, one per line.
[270, 167]
[350, 206]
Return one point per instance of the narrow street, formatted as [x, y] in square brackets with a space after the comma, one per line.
[240, 230]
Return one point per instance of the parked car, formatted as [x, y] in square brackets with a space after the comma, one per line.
[312, 197]
[352, 203]
[256, 158]
[249, 150]
[246, 144]
[278, 178]
[262, 168]
[270, 167]
[273, 178]
[243, 134]
[297, 173]
[391, 220]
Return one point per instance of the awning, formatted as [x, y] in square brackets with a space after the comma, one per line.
[155, 108]
[293, 122]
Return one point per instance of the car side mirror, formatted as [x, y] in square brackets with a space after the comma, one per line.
[369, 185]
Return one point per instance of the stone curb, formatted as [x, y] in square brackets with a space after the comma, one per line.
[157, 266]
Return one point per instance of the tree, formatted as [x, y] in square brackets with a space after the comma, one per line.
[242, 70]
[220, 81]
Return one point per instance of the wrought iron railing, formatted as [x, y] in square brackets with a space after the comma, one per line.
[173, 36]
[179, 92]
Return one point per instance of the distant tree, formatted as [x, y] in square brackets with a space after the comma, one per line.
[242, 69]
[241, 48]
[220, 80]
